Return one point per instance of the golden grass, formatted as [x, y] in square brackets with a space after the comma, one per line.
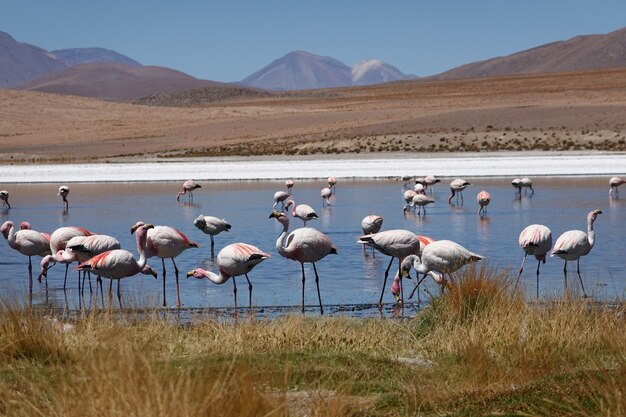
[478, 349]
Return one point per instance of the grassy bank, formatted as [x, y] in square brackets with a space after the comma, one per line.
[477, 350]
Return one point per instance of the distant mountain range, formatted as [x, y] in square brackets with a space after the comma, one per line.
[300, 70]
[76, 56]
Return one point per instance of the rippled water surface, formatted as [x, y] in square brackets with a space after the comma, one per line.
[349, 281]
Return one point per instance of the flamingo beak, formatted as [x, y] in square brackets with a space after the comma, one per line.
[396, 297]
[132, 229]
[275, 214]
[190, 273]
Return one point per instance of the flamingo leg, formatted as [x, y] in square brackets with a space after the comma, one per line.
[417, 287]
[178, 305]
[401, 289]
[99, 282]
[565, 275]
[380, 301]
[164, 273]
[30, 275]
[89, 279]
[538, 266]
[521, 268]
[317, 284]
[580, 278]
[212, 247]
[303, 279]
[65, 279]
[235, 294]
[119, 293]
[250, 295]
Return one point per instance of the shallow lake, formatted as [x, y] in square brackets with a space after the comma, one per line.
[350, 281]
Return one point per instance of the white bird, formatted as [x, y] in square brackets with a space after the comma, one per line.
[430, 181]
[536, 240]
[302, 211]
[398, 243]
[456, 187]
[58, 241]
[83, 248]
[331, 183]
[371, 224]
[517, 184]
[119, 263]
[445, 257]
[289, 184]
[232, 261]
[405, 268]
[408, 199]
[212, 226]
[614, 183]
[27, 242]
[64, 191]
[483, 198]
[326, 193]
[279, 198]
[419, 188]
[527, 183]
[188, 187]
[4, 196]
[573, 244]
[305, 245]
[421, 201]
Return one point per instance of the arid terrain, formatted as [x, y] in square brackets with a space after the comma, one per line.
[568, 111]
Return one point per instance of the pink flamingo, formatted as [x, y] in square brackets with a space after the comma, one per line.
[58, 242]
[396, 243]
[457, 186]
[188, 187]
[4, 196]
[165, 242]
[64, 191]
[289, 185]
[573, 244]
[27, 242]
[302, 211]
[517, 184]
[279, 198]
[119, 263]
[614, 183]
[331, 183]
[371, 224]
[430, 181]
[326, 193]
[305, 245]
[443, 256]
[527, 183]
[536, 240]
[406, 179]
[408, 199]
[483, 198]
[419, 188]
[232, 261]
[406, 266]
[421, 201]
[212, 226]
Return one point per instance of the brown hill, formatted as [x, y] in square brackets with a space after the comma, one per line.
[20, 62]
[115, 81]
[562, 111]
[578, 53]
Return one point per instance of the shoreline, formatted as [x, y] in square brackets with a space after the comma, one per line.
[356, 166]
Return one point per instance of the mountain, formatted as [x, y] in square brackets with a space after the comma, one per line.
[114, 81]
[376, 71]
[579, 53]
[300, 70]
[20, 62]
[75, 56]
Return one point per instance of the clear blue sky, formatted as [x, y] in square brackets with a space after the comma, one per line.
[228, 40]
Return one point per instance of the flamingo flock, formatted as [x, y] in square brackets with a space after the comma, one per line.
[103, 256]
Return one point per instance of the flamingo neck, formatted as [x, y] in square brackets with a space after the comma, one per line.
[280, 242]
[142, 241]
[293, 208]
[215, 278]
[11, 237]
[591, 234]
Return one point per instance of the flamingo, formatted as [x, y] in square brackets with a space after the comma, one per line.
[232, 261]
[302, 211]
[58, 242]
[371, 224]
[280, 197]
[165, 242]
[188, 187]
[517, 184]
[331, 183]
[119, 263]
[4, 196]
[527, 183]
[430, 181]
[64, 190]
[443, 256]
[573, 244]
[536, 240]
[421, 201]
[614, 183]
[457, 186]
[398, 243]
[408, 199]
[326, 193]
[83, 248]
[405, 268]
[406, 179]
[419, 188]
[483, 198]
[289, 185]
[305, 245]
[212, 226]
[27, 242]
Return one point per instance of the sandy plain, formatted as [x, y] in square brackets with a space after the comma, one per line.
[568, 111]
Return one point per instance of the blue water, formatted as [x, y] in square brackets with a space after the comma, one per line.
[348, 280]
